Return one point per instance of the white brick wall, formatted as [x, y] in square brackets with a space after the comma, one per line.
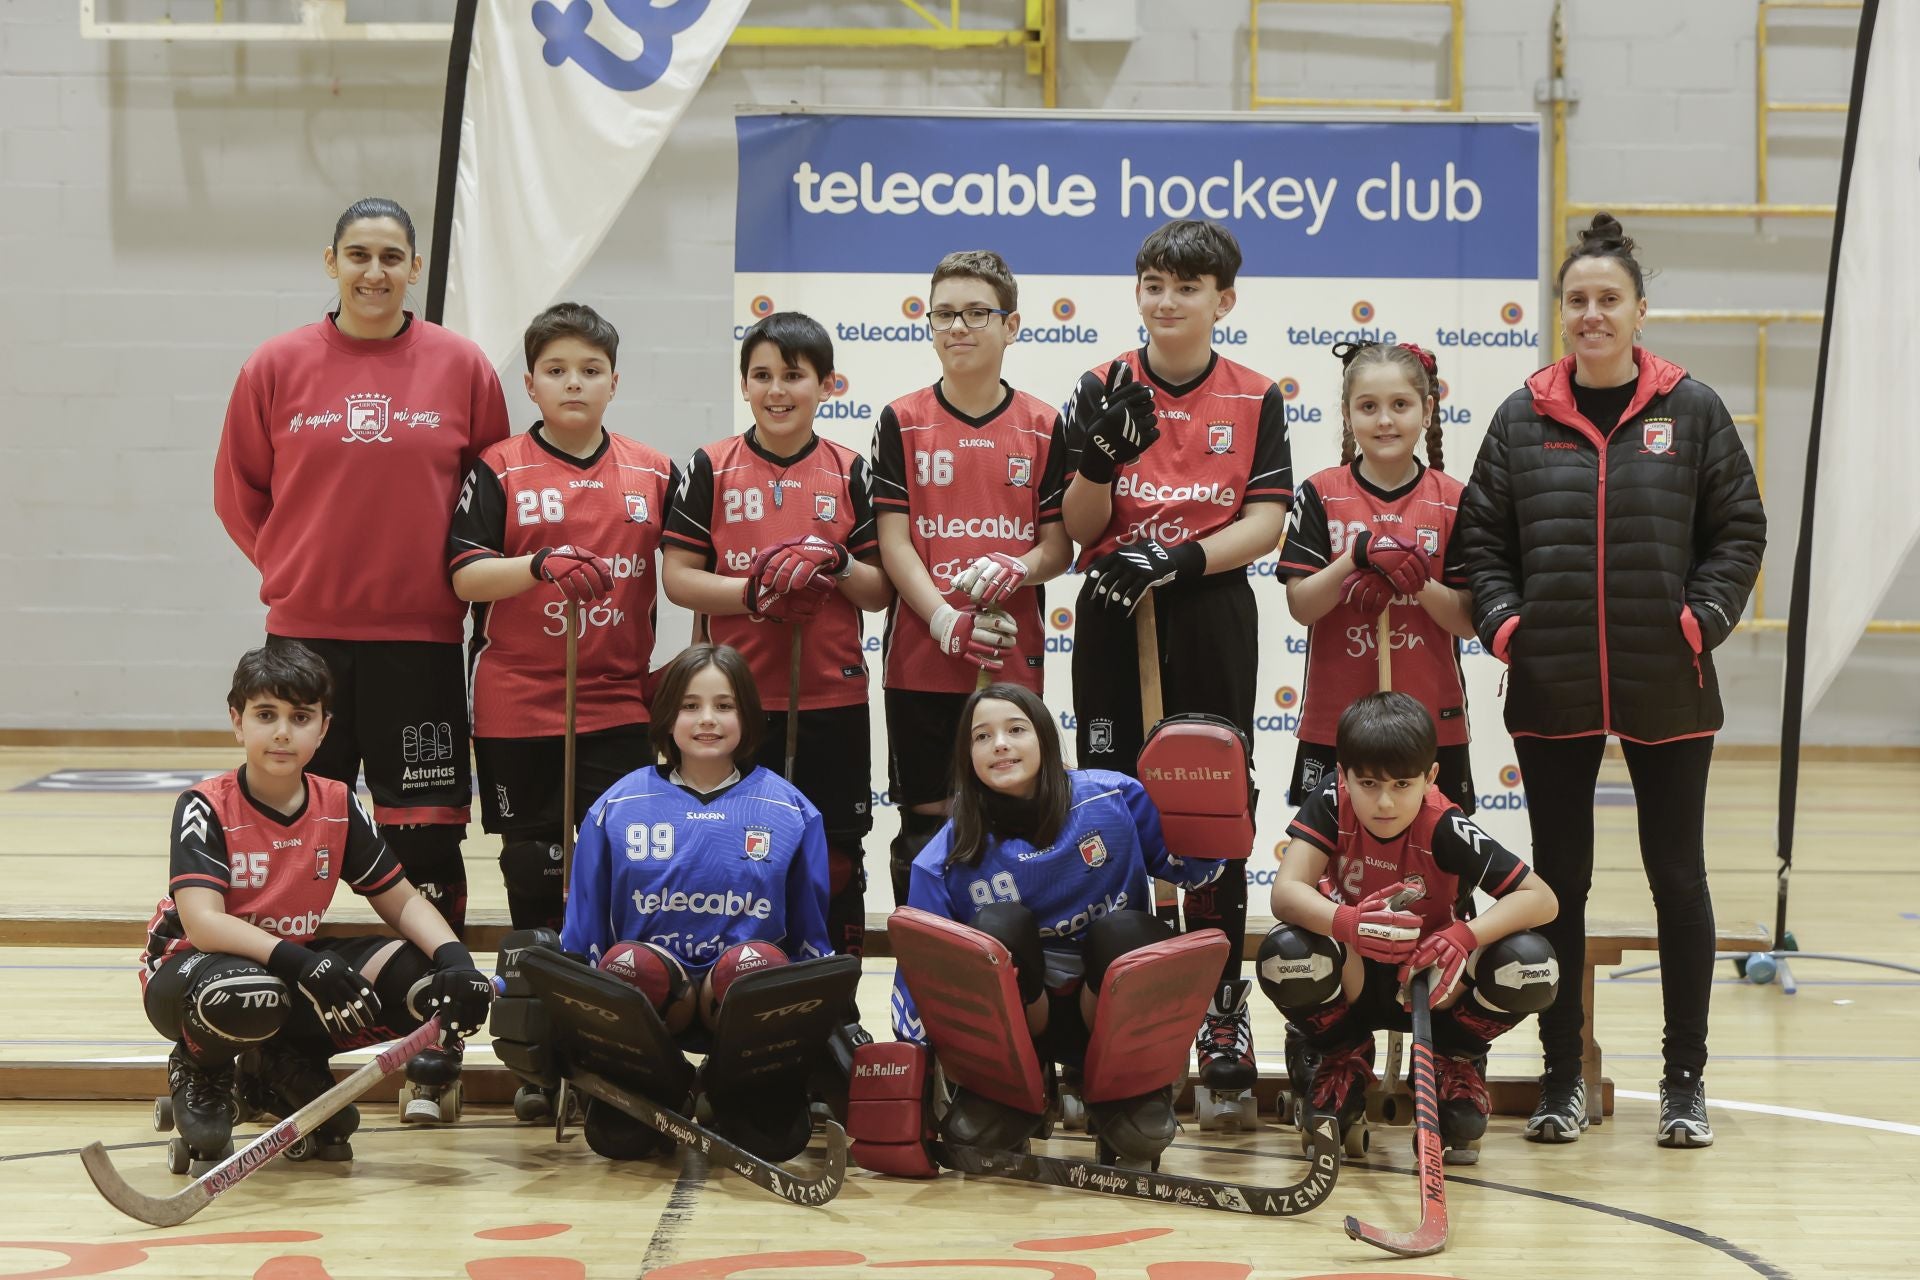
[163, 209]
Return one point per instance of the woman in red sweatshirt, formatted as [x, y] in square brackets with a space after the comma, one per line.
[338, 472]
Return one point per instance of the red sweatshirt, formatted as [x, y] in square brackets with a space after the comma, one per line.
[338, 468]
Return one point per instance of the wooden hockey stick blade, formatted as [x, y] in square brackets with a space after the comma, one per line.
[1167, 1188]
[171, 1211]
[1431, 1235]
[761, 1173]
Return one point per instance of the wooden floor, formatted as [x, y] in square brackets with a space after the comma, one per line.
[1816, 1172]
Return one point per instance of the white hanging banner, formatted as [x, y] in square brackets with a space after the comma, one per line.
[566, 107]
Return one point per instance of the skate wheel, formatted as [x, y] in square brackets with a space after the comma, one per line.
[1249, 1112]
[178, 1158]
[1358, 1138]
[1073, 1112]
[530, 1105]
[1206, 1110]
[1760, 968]
[1394, 1108]
[1467, 1154]
[301, 1150]
[452, 1103]
[162, 1115]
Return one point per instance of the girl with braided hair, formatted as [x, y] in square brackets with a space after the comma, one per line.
[1373, 535]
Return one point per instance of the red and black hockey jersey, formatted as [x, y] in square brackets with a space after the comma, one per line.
[1443, 854]
[524, 494]
[1342, 665]
[968, 486]
[736, 498]
[278, 871]
[1223, 444]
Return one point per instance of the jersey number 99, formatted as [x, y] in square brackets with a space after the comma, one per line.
[1000, 888]
[649, 840]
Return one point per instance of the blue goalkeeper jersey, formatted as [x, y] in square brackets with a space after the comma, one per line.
[1104, 860]
[654, 863]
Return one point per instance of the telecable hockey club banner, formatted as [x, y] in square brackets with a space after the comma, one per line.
[1422, 231]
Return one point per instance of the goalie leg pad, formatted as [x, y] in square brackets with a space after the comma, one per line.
[969, 1002]
[890, 1109]
[1152, 1001]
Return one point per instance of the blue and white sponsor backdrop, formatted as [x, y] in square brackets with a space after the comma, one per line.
[1421, 231]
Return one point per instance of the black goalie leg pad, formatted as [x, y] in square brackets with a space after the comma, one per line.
[522, 1034]
[530, 868]
[773, 1034]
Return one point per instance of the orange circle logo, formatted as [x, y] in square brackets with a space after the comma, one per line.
[1363, 311]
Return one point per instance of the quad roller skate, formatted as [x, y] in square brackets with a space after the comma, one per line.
[274, 1081]
[1223, 1095]
[199, 1103]
[1070, 1104]
[431, 1094]
[1131, 1133]
[1464, 1106]
[1329, 1084]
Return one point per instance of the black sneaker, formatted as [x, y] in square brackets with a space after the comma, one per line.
[1683, 1112]
[1562, 1110]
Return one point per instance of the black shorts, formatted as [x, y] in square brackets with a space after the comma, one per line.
[1313, 762]
[399, 710]
[521, 779]
[921, 729]
[832, 765]
[1209, 661]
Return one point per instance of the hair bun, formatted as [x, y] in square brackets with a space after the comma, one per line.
[1344, 352]
[1605, 233]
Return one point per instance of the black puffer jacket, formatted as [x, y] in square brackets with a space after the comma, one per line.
[1597, 544]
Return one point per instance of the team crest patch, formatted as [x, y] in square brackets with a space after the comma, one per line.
[367, 419]
[825, 506]
[1657, 435]
[1019, 471]
[1093, 850]
[322, 863]
[759, 843]
[1219, 436]
[637, 508]
[1429, 539]
[1100, 735]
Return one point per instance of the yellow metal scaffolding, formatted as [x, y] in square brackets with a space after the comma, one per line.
[1456, 58]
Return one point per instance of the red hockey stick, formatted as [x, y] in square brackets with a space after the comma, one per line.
[171, 1211]
[1431, 1235]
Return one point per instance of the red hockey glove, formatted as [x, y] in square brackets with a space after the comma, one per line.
[1407, 568]
[582, 576]
[1376, 930]
[1446, 954]
[981, 638]
[992, 578]
[793, 564]
[1367, 592]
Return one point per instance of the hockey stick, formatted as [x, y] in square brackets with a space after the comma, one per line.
[567, 755]
[1383, 641]
[171, 1211]
[761, 1173]
[1167, 1188]
[1146, 643]
[793, 701]
[1431, 1235]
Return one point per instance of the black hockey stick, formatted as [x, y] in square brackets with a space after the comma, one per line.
[171, 1211]
[793, 701]
[1431, 1235]
[1167, 1188]
[761, 1173]
[568, 765]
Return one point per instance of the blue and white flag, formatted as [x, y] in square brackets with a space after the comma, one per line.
[566, 107]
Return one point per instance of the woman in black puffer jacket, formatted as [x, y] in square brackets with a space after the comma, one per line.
[1611, 533]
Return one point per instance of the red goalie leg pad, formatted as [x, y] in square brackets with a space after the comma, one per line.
[890, 1109]
[962, 980]
[1152, 1001]
[1199, 772]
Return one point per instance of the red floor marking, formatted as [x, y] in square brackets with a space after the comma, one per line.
[1377, 1275]
[532, 1231]
[99, 1259]
[736, 1264]
[527, 1269]
[292, 1266]
[1199, 1271]
[1055, 1270]
[1070, 1244]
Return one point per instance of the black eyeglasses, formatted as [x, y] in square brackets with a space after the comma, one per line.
[976, 317]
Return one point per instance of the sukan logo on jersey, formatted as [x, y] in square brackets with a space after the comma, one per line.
[1220, 436]
[1019, 471]
[367, 419]
[759, 843]
[1093, 850]
[636, 508]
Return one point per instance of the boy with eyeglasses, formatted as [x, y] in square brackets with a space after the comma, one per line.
[967, 482]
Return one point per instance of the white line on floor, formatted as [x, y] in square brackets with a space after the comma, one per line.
[1791, 1113]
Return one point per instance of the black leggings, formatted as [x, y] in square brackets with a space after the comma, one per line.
[1670, 790]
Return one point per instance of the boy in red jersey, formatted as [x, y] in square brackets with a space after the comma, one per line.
[967, 480]
[1179, 493]
[568, 511]
[232, 963]
[771, 538]
[1350, 937]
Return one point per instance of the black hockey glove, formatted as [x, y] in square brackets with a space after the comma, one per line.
[1118, 418]
[341, 998]
[1122, 578]
[457, 991]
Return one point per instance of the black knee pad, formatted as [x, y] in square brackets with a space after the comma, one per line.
[1112, 936]
[847, 896]
[402, 979]
[430, 855]
[530, 868]
[1518, 974]
[1015, 926]
[916, 830]
[230, 1003]
[1298, 969]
